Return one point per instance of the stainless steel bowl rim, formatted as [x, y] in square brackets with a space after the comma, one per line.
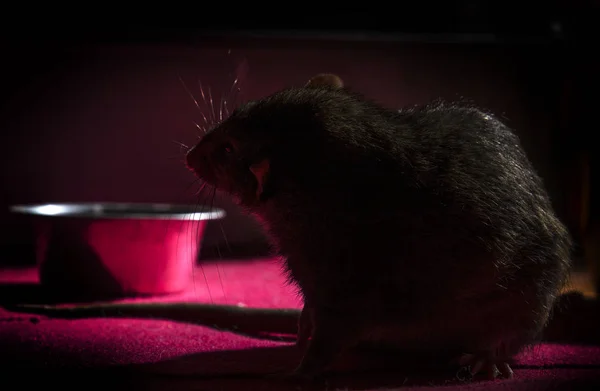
[113, 210]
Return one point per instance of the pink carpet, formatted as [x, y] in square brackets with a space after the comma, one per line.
[119, 352]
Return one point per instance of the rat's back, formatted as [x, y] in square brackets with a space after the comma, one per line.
[470, 232]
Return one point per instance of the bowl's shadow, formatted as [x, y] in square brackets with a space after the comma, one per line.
[23, 293]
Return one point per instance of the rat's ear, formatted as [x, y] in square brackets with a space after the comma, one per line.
[325, 80]
[260, 171]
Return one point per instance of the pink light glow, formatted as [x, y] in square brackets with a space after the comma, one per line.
[158, 261]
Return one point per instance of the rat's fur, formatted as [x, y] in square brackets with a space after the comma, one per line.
[425, 229]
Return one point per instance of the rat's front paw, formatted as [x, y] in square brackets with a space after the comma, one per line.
[305, 328]
[484, 363]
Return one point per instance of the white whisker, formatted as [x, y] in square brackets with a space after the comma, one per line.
[201, 188]
[202, 128]
[190, 93]
[212, 107]
[202, 91]
[235, 81]
[182, 145]
[225, 107]
[221, 110]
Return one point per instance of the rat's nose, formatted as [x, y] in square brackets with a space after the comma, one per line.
[193, 159]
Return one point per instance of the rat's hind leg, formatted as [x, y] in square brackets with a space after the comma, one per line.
[494, 362]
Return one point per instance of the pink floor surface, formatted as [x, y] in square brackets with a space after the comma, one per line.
[117, 353]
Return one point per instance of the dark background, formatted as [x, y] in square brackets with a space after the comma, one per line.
[90, 113]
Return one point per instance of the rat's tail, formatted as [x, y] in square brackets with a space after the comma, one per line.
[279, 324]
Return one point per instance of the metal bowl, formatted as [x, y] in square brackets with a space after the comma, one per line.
[110, 250]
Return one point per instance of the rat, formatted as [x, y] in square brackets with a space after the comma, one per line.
[424, 230]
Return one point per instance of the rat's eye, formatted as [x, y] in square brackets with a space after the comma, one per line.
[228, 147]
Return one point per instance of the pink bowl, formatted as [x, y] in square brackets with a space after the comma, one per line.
[111, 250]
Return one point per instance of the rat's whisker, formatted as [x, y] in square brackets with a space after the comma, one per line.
[195, 258]
[201, 188]
[202, 92]
[221, 110]
[206, 122]
[190, 93]
[226, 108]
[224, 236]
[212, 108]
[186, 218]
[233, 93]
[204, 205]
[180, 144]
[240, 73]
[219, 249]
[201, 128]
[191, 184]
[231, 90]
[218, 268]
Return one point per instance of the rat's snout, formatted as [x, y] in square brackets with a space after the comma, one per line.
[196, 160]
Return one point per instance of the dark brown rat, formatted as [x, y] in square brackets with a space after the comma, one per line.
[425, 229]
